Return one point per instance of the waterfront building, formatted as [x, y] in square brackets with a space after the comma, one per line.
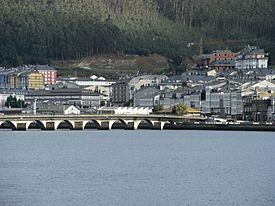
[256, 108]
[223, 99]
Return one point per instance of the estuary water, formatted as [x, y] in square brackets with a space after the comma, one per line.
[192, 168]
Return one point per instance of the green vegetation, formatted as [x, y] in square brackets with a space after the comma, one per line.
[39, 31]
[157, 109]
[180, 109]
[13, 102]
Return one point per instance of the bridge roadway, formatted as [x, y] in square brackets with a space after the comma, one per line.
[79, 122]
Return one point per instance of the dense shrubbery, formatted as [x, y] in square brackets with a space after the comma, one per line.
[13, 102]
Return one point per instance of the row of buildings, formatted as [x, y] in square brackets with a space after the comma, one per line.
[250, 57]
[235, 93]
[32, 77]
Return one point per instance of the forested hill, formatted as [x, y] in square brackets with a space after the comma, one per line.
[37, 31]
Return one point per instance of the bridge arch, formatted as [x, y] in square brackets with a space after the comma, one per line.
[118, 124]
[8, 125]
[36, 124]
[145, 124]
[91, 124]
[169, 124]
[65, 124]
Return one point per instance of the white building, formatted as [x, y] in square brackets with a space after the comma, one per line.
[125, 110]
[139, 82]
[251, 58]
[93, 81]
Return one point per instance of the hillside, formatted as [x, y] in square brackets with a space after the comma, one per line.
[40, 31]
[113, 66]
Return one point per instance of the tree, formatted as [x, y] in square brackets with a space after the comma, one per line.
[180, 109]
[12, 102]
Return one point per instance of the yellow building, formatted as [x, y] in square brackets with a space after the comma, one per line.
[36, 81]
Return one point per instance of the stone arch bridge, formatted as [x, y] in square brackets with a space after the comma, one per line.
[80, 122]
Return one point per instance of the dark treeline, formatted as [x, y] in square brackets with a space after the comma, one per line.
[223, 17]
[37, 31]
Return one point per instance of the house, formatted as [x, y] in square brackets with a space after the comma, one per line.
[219, 60]
[251, 57]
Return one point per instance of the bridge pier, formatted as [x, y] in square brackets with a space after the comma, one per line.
[50, 126]
[158, 125]
[105, 125]
[132, 125]
[78, 125]
[21, 126]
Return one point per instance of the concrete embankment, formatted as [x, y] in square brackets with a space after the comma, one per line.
[224, 127]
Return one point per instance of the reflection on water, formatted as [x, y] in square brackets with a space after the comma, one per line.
[137, 168]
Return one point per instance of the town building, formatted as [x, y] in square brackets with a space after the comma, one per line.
[49, 73]
[82, 98]
[35, 81]
[223, 99]
[93, 81]
[222, 55]
[147, 97]
[256, 109]
[120, 94]
[251, 57]
[139, 82]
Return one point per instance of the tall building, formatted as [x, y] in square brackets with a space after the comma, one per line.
[36, 80]
[49, 74]
[120, 94]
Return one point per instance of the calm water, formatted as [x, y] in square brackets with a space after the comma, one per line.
[197, 168]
